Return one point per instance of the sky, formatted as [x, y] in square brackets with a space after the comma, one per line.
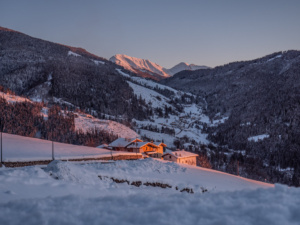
[203, 32]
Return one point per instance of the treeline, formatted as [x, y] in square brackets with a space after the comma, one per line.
[25, 119]
[101, 89]
[250, 166]
[256, 162]
[21, 118]
[278, 155]
[259, 97]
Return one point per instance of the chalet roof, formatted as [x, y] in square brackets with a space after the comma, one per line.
[140, 144]
[102, 146]
[122, 142]
[160, 143]
[181, 154]
[168, 151]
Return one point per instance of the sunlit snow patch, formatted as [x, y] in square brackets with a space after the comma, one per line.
[13, 98]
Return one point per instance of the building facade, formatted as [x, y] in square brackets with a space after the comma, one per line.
[181, 156]
[149, 149]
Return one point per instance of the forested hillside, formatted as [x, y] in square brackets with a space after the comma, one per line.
[42, 69]
[258, 98]
[242, 118]
[25, 118]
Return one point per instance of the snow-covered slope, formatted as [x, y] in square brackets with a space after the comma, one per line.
[148, 83]
[87, 122]
[188, 123]
[72, 193]
[157, 100]
[146, 66]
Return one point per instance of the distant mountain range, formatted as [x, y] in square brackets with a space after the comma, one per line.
[184, 66]
[146, 68]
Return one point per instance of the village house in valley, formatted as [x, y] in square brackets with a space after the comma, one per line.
[181, 157]
[151, 149]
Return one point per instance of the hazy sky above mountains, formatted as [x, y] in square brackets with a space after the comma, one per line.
[205, 32]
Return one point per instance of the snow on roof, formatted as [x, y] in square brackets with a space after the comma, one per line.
[105, 146]
[182, 154]
[168, 151]
[121, 142]
[133, 142]
[139, 144]
[160, 143]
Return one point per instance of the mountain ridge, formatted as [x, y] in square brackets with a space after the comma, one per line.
[139, 66]
[153, 70]
[184, 66]
[31, 65]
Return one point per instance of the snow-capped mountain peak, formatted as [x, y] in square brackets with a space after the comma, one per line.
[153, 70]
[136, 64]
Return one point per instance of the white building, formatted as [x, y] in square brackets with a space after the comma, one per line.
[181, 157]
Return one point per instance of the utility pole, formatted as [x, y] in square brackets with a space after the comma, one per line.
[1, 130]
[111, 153]
[52, 133]
[1, 146]
[238, 168]
[52, 139]
[52, 149]
[136, 146]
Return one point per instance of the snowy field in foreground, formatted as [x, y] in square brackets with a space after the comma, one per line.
[29, 195]
[22, 149]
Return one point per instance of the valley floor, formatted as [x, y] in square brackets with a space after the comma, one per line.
[73, 193]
